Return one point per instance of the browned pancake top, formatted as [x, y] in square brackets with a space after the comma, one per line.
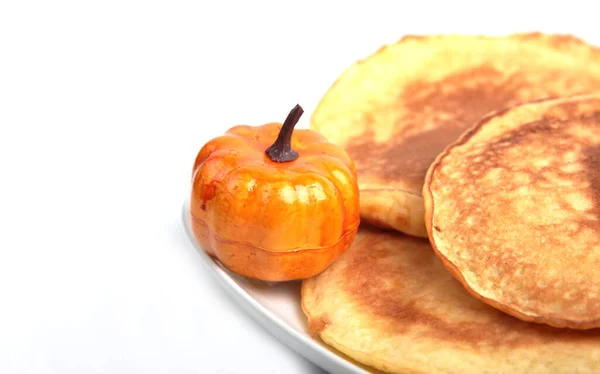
[412, 288]
[390, 301]
[515, 211]
[452, 104]
[397, 110]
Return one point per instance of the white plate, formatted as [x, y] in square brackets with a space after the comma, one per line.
[276, 307]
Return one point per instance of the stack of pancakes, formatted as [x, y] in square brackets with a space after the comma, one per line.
[478, 161]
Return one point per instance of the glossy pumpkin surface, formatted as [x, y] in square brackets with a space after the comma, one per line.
[269, 218]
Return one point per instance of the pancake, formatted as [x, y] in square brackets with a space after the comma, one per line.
[513, 211]
[395, 111]
[389, 303]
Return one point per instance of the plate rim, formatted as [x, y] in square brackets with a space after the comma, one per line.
[305, 346]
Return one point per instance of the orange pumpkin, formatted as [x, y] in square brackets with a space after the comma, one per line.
[272, 206]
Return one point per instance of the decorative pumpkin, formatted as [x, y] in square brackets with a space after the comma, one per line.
[272, 206]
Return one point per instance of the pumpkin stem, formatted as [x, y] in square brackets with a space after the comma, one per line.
[281, 150]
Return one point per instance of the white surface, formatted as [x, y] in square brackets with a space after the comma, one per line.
[103, 106]
[276, 306]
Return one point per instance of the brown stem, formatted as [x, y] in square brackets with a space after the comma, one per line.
[281, 150]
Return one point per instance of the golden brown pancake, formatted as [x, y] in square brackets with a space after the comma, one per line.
[395, 111]
[513, 211]
[389, 303]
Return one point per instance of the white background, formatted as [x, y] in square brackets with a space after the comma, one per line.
[103, 106]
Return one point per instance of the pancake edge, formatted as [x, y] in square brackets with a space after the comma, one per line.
[560, 41]
[357, 357]
[450, 266]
